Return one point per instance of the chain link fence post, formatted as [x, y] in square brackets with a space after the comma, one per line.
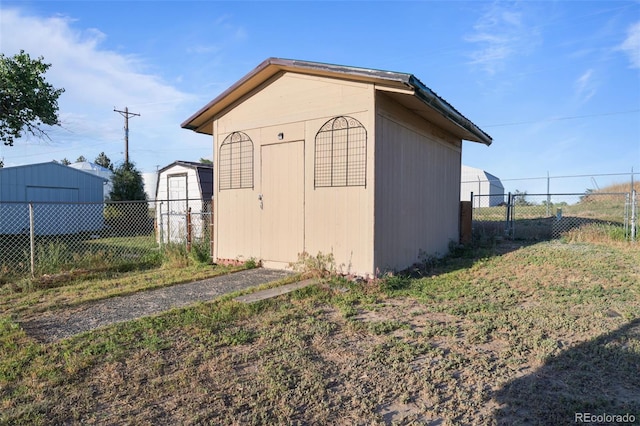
[32, 240]
[161, 227]
[633, 215]
[508, 227]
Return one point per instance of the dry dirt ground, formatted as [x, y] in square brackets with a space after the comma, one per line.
[531, 336]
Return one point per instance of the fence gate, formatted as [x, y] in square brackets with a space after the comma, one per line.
[548, 216]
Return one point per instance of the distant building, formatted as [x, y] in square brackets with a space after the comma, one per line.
[150, 182]
[487, 189]
[65, 200]
[183, 186]
[97, 170]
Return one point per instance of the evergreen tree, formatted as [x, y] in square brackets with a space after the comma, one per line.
[81, 159]
[104, 161]
[65, 161]
[128, 218]
[127, 184]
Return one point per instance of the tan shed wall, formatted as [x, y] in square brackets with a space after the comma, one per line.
[417, 187]
[340, 220]
[335, 220]
[291, 98]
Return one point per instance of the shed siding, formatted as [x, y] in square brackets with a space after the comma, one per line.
[15, 180]
[61, 188]
[339, 220]
[487, 186]
[172, 204]
[193, 189]
[292, 98]
[417, 187]
[336, 220]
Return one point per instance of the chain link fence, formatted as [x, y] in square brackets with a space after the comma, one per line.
[548, 216]
[46, 238]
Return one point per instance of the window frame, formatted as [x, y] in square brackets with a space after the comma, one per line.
[242, 157]
[340, 154]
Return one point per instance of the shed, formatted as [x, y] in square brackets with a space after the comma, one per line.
[150, 183]
[359, 163]
[65, 200]
[487, 189]
[97, 170]
[183, 187]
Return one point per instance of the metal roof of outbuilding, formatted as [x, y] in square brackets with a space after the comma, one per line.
[404, 87]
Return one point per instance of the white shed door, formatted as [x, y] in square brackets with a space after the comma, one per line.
[282, 216]
[177, 211]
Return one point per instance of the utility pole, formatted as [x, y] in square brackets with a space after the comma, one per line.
[126, 114]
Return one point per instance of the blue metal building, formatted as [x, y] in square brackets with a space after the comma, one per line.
[64, 200]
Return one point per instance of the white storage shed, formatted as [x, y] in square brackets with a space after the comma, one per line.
[183, 187]
[487, 189]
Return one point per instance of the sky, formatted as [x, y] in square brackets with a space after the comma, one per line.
[555, 83]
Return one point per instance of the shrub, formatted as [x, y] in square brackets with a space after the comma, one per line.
[319, 266]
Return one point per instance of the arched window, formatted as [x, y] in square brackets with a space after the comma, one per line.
[235, 164]
[341, 153]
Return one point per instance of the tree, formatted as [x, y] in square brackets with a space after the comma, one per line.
[127, 184]
[520, 198]
[65, 161]
[128, 218]
[81, 159]
[104, 161]
[205, 160]
[27, 101]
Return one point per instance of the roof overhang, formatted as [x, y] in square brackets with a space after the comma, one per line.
[404, 88]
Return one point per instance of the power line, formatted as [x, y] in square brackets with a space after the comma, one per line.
[574, 117]
[593, 175]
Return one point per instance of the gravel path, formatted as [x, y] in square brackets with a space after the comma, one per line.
[60, 324]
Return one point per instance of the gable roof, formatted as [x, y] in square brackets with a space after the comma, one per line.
[52, 166]
[403, 87]
[190, 164]
[204, 173]
[92, 168]
[472, 174]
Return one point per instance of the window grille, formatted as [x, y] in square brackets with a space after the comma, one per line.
[341, 153]
[235, 169]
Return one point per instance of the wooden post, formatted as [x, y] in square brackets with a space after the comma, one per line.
[189, 229]
[465, 222]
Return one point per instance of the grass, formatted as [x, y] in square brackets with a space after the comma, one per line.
[505, 335]
[63, 253]
[78, 285]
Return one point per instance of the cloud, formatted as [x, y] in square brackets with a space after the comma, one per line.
[96, 80]
[585, 86]
[499, 35]
[631, 45]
